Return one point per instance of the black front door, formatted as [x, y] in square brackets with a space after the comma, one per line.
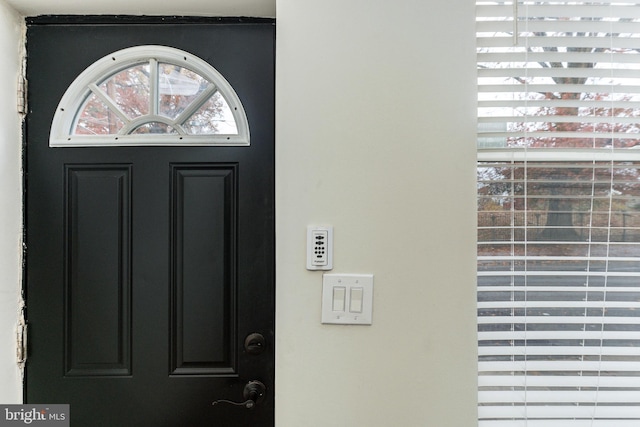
[147, 267]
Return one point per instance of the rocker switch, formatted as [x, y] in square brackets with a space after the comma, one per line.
[355, 302]
[339, 293]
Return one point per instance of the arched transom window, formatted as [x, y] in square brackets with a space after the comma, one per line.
[149, 95]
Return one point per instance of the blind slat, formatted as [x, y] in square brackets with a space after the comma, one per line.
[558, 366]
[556, 103]
[548, 258]
[559, 423]
[586, 56]
[517, 154]
[576, 73]
[558, 273]
[491, 87]
[555, 289]
[561, 396]
[576, 350]
[554, 119]
[601, 27]
[566, 380]
[554, 304]
[575, 10]
[558, 335]
[559, 412]
[559, 320]
[505, 41]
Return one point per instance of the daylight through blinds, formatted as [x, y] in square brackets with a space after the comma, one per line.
[559, 213]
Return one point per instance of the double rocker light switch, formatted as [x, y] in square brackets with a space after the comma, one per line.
[347, 299]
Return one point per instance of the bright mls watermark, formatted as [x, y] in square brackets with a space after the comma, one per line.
[36, 415]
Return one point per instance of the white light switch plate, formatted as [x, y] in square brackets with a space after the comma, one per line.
[355, 299]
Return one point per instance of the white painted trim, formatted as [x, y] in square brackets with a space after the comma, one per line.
[72, 101]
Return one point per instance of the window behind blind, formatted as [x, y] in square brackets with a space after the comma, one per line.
[559, 213]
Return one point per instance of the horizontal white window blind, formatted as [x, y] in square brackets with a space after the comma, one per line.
[563, 74]
[559, 213]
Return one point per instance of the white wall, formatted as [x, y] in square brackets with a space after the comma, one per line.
[11, 196]
[375, 135]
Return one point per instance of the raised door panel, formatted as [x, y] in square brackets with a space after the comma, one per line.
[203, 287]
[98, 270]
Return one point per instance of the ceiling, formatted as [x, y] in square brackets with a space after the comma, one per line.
[255, 8]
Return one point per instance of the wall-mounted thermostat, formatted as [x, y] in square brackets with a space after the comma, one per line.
[319, 248]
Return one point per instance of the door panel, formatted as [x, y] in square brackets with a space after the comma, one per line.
[203, 269]
[148, 266]
[98, 270]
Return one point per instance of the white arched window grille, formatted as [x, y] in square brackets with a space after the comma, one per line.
[149, 95]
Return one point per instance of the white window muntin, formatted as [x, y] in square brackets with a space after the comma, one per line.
[69, 108]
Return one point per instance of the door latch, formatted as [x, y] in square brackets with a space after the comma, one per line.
[254, 392]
